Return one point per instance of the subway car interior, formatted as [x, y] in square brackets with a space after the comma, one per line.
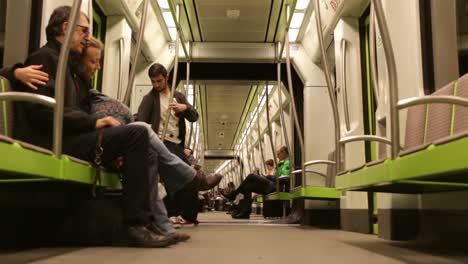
[253, 131]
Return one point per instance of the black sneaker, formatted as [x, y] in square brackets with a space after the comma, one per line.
[201, 182]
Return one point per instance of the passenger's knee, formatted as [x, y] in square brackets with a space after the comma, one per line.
[142, 124]
[137, 133]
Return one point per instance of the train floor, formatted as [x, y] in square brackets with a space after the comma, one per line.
[219, 239]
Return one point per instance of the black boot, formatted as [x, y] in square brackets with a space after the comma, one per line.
[140, 236]
[201, 182]
[242, 215]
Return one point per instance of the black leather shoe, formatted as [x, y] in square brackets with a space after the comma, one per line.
[201, 182]
[241, 215]
[140, 236]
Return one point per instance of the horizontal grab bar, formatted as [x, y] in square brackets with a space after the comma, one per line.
[432, 99]
[365, 138]
[314, 162]
[29, 97]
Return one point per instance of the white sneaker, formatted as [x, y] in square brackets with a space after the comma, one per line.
[175, 222]
[180, 220]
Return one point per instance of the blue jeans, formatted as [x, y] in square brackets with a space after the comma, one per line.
[174, 172]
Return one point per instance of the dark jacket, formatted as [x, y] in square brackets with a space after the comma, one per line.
[150, 112]
[34, 122]
[8, 72]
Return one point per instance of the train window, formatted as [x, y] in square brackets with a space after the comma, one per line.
[462, 35]
[2, 28]
[99, 32]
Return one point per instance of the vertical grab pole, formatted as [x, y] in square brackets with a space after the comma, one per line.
[121, 66]
[280, 103]
[259, 131]
[293, 103]
[270, 133]
[141, 33]
[187, 80]
[392, 77]
[331, 92]
[373, 63]
[187, 88]
[174, 75]
[60, 79]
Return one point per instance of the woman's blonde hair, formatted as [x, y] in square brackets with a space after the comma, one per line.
[95, 43]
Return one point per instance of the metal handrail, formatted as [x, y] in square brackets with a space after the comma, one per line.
[280, 106]
[293, 103]
[311, 171]
[384, 140]
[174, 78]
[62, 67]
[432, 99]
[90, 14]
[270, 133]
[186, 95]
[176, 18]
[288, 23]
[187, 80]
[28, 97]
[251, 156]
[373, 63]
[331, 93]
[344, 89]
[317, 162]
[121, 67]
[260, 140]
[392, 77]
[141, 33]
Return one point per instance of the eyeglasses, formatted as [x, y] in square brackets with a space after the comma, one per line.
[84, 29]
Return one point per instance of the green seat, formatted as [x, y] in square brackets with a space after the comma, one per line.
[278, 196]
[315, 193]
[437, 163]
[23, 162]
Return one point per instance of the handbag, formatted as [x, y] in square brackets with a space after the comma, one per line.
[98, 162]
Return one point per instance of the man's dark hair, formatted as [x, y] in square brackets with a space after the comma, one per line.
[157, 69]
[269, 162]
[59, 16]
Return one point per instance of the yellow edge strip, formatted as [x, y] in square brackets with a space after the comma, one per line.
[426, 123]
[452, 121]
[5, 117]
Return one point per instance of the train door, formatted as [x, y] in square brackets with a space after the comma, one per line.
[2, 29]
[350, 107]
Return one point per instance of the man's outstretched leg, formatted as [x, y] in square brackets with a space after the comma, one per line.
[175, 173]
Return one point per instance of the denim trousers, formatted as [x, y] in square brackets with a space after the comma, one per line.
[174, 172]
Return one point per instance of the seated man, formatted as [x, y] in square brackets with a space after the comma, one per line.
[33, 123]
[175, 173]
[260, 184]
